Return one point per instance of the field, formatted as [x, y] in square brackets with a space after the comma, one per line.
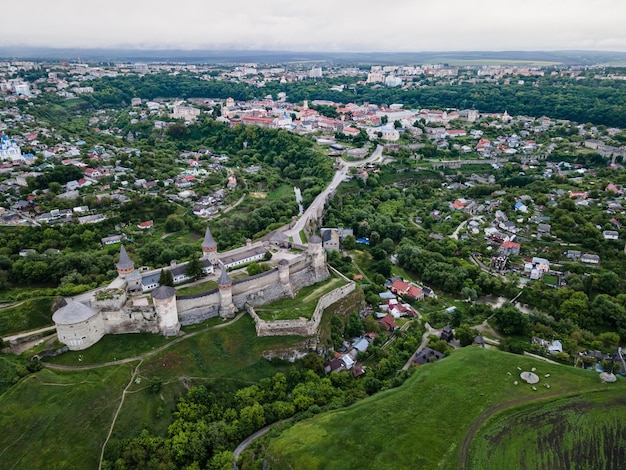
[59, 419]
[585, 431]
[55, 420]
[26, 315]
[423, 423]
[303, 305]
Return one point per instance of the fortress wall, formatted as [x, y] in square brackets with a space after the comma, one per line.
[190, 302]
[265, 295]
[115, 303]
[278, 327]
[256, 282]
[299, 327]
[130, 320]
[198, 315]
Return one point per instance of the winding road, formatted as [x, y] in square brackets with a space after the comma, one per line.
[318, 204]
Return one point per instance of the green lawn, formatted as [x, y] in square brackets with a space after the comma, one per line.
[27, 315]
[283, 191]
[422, 423]
[303, 305]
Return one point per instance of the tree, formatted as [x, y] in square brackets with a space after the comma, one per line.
[194, 269]
[166, 278]
[174, 223]
[465, 334]
[511, 321]
[349, 242]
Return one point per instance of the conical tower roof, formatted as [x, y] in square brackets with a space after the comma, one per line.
[125, 262]
[209, 241]
[224, 278]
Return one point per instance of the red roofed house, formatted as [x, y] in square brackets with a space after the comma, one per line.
[510, 248]
[415, 293]
[145, 225]
[388, 323]
[399, 287]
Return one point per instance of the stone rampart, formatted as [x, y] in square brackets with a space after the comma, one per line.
[256, 282]
[300, 326]
[130, 320]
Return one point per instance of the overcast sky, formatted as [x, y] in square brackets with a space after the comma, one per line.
[320, 25]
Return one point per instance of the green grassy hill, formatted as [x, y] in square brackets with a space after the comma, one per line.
[423, 424]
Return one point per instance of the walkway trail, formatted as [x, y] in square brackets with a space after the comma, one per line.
[146, 354]
[117, 412]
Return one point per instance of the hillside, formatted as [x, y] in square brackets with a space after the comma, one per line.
[423, 423]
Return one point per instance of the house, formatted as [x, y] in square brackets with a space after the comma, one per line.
[610, 235]
[479, 341]
[146, 225]
[589, 258]
[541, 263]
[447, 334]
[388, 323]
[544, 228]
[427, 355]
[112, 239]
[510, 248]
[555, 347]
[330, 239]
[399, 287]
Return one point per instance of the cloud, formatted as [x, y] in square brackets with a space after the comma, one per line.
[354, 25]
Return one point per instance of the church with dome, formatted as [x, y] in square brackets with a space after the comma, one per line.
[135, 303]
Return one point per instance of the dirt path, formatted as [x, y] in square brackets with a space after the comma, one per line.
[117, 412]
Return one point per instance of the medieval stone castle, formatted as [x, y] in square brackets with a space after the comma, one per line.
[125, 307]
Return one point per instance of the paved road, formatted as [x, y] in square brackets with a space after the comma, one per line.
[253, 437]
[319, 202]
[429, 331]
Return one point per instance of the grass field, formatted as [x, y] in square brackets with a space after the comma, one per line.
[422, 424]
[27, 315]
[111, 348]
[586, 431]
[283, 191]
[56, 420]
[303, 305]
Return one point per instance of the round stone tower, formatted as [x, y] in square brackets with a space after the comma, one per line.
[209, 247]
[225, 286]
[125, 265]
[164, 299]
[317, 257]
[283, 275]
